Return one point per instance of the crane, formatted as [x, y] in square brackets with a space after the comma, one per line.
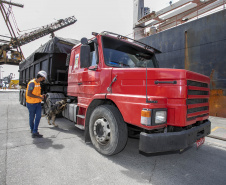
[15, 42]
[43, 31]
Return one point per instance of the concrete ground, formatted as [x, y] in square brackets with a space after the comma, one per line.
[62, 157]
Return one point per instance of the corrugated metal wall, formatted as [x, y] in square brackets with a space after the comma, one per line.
[198, 46]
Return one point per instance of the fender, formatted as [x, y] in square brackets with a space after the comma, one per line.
[128, 107]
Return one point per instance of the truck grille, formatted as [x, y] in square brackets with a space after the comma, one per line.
[196, 92]
[197, 101]
[197, 84]
[197, 109]
[199, 116]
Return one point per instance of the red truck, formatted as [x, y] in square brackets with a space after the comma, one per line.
[117, 90]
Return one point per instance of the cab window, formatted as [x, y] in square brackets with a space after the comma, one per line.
[93, 54]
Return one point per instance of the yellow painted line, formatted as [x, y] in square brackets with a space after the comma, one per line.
[217, 128]
[214, 129]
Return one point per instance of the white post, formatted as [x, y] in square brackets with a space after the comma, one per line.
[1, 72]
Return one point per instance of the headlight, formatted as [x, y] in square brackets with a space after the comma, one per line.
[160, 117]
[146, 117]
[152, 117]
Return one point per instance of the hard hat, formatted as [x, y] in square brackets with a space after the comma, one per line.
[43, 74]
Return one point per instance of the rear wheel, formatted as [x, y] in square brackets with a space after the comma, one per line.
[47, 104]
[21, 97]
[24, 98]
[51, 99]
[108, 131]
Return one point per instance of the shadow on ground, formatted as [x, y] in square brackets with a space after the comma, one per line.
[46, 143]
[192, 166]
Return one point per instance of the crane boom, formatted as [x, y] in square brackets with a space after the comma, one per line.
[16, 42]
[43, 31]
[16, 56]
[11, 3]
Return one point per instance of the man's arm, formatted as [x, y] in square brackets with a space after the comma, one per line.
[29, 93]
[30, 89]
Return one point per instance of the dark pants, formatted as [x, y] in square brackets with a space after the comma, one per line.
[35, 110]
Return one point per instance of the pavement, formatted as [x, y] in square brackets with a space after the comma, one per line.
[9, 90]
[62, 156]
[218, 129]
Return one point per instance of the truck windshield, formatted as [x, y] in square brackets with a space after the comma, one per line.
[122, 54]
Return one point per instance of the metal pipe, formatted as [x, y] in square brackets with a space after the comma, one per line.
[5, 41]
[5, 36]
[10, 28]
[5, 19]
[11, 3]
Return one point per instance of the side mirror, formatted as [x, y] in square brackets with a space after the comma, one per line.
[84, 54]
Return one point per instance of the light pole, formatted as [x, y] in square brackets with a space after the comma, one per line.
[1, 72]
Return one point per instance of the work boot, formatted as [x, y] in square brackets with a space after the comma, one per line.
[37, 135]
[32, 131]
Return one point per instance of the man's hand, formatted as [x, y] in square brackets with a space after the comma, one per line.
[42, 97]
[34, 96]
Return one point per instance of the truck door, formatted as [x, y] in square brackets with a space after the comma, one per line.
[89, 78]
[73, 87]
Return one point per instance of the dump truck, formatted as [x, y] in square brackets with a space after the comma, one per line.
[115, 89]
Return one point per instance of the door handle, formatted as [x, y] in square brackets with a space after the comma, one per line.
[79, 83]
[166, 82]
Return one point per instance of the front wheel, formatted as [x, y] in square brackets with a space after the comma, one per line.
[108, 131]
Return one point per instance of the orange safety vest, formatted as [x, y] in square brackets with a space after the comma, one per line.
[36, 91]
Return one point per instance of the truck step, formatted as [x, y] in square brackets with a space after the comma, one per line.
[80, 126]
[81, 116]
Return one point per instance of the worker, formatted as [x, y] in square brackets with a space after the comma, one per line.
[4, 85]
[33, 99]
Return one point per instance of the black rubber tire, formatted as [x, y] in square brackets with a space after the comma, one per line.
[118, 133]
[20, 96]
[51, 99]
[24, 98]
[46, 105]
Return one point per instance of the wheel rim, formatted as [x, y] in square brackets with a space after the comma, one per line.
[102, 131]
[47, 105]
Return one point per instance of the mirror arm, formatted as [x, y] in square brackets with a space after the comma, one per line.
[93, 69]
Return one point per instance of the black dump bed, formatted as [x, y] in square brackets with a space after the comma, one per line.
[50, 57]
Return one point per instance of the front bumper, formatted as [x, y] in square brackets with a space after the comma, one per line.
[172, 141]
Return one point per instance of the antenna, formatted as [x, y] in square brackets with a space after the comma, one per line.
[146, 82]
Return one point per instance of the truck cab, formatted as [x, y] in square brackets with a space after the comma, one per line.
[119, 89]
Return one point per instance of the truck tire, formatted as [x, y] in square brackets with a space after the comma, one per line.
[107, 129]
[20, 96]
[51, 99]
[24, 98]
[47, 103]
